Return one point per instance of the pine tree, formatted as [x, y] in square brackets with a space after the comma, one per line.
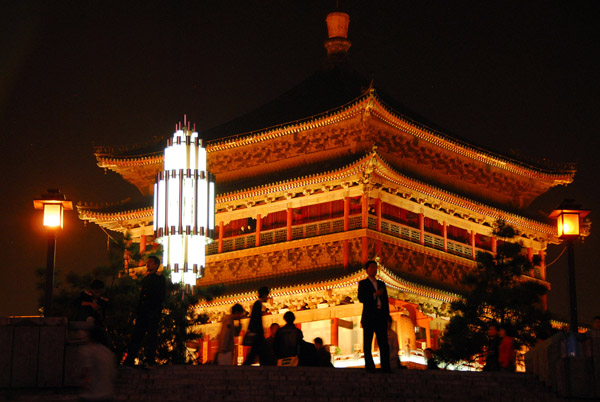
[497, 292]
[122, 289]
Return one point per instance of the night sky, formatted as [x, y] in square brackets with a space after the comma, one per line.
[512, 76]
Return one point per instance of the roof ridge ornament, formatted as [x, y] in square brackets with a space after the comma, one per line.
[337, 44]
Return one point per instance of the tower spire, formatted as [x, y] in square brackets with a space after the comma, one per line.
[337, 44]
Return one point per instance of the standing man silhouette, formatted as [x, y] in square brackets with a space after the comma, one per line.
[373, 295]
[148, 313]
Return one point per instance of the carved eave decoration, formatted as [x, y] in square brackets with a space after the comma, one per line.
[345, 283]
[372, 174]
[109, 217]
[139, 170]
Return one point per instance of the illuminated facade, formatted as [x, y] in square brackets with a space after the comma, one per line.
[342, 176]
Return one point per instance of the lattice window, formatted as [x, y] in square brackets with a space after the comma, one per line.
[355, 222]
[467, 251]
[266, 238]
[297, 232]
[251, 241]
[280, 236]
[324, 228]
[438, 243]
[227, 245]
[372, 223]
[428, 240]
[385, 227]
[311, 230]
[240, 243]
[212, 248]
[415, 236]
[537, 273]
[338, 226]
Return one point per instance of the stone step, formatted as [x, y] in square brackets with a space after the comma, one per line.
[314, 384]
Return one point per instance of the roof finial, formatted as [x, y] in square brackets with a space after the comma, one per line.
[337, 44]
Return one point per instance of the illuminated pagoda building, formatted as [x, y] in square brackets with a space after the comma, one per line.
[332, 174]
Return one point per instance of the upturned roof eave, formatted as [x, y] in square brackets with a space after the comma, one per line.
[352, 279]
[383, 168]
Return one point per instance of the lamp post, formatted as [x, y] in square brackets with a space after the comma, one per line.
[53, 203]
[568, 223]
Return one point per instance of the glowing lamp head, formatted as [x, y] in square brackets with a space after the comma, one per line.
[567, 220]
[53, 204]
[53, 215]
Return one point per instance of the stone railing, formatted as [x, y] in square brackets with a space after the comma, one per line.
[570, 376]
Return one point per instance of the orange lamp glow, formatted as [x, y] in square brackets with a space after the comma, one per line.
[567, 221]
[53, 216]
[53, 204]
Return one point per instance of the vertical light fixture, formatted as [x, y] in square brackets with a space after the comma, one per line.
[184, 206]
[53, 203]
[568, 223]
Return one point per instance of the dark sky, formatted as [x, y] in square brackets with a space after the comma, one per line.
[508, 75]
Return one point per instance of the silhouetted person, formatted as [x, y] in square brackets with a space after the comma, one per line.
[493, 349]
[98, 369]
[506, 355]
[91, 307]
[255, 326]
[323, 355]
[270, 359]
[372, 293]
[287, 338]
[230, 328]
[431, 363]
[392, 337]
[148, 313]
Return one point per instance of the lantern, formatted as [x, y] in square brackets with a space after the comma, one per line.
[184, 206]
[53, 203]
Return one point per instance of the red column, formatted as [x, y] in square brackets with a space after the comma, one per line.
[346, 214]
[445, 234]
[205, 350]
[258, 228]
[422, 228]
[365, 249]
[473, 253]
[143, 245]
[290, 218]
[365, 211]
[530, 258]
[335, 331]
[378, 212]
[542, 255]
[494, 245]
[221, 230]
[346, 228]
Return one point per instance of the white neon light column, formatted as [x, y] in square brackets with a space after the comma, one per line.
[184, 206]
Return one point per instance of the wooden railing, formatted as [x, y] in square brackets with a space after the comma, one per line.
[336, 225]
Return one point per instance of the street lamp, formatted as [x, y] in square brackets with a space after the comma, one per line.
[53, 203]
[184, 206]
[568, 226]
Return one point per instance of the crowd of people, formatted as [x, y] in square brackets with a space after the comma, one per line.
[285, 345]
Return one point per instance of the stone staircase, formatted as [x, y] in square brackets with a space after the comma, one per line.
[295, 384]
